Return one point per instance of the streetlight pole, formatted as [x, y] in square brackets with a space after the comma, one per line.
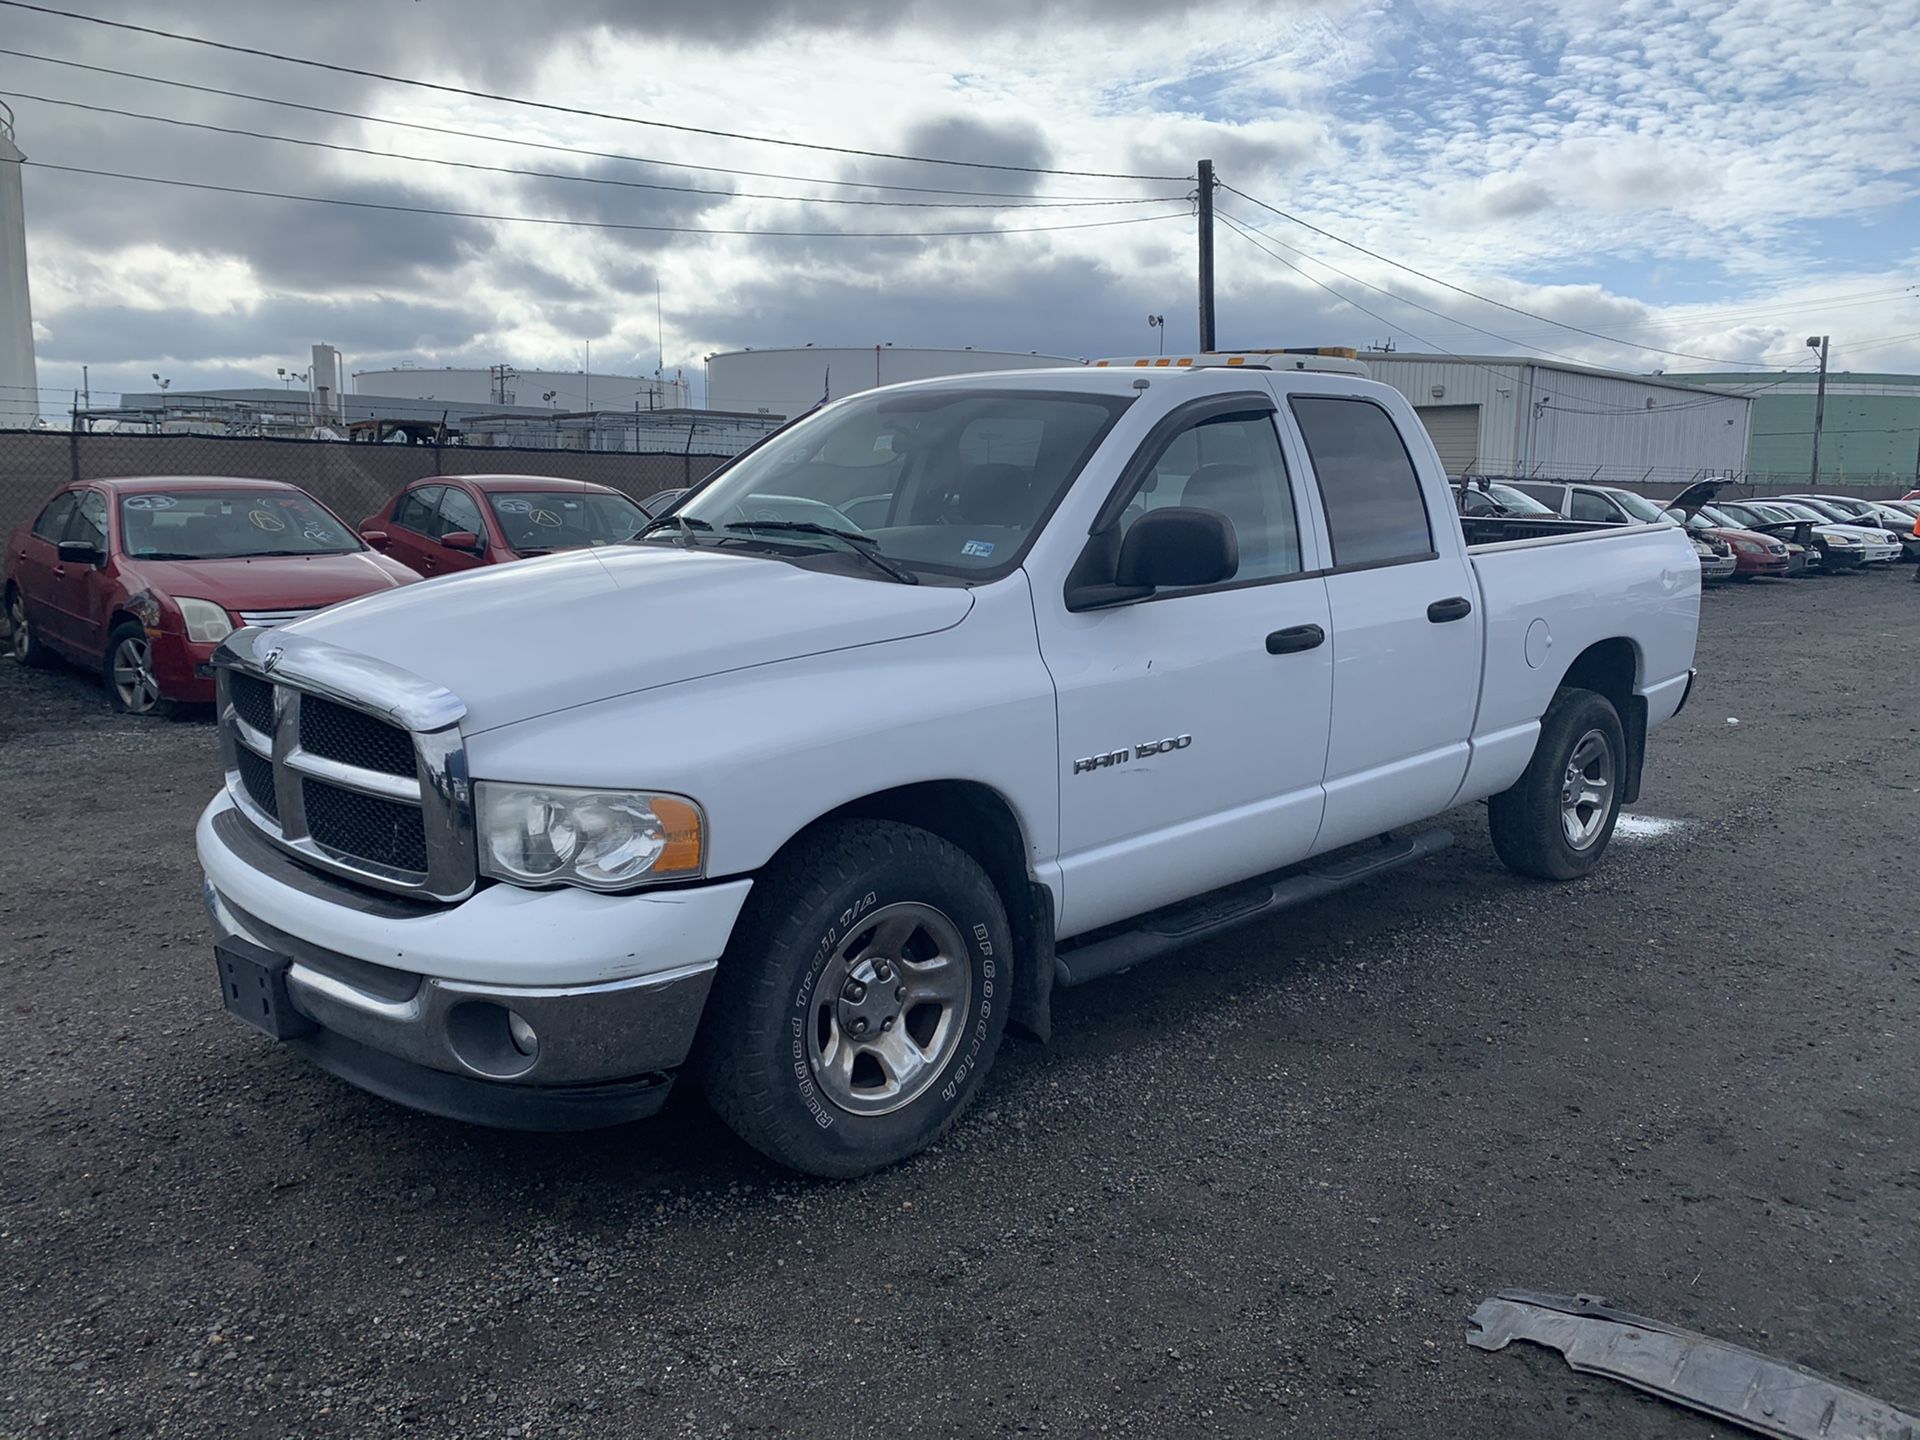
[1158, 323]
[1818, 342]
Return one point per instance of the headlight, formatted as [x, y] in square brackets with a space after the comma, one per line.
[207, 623]
[1841, 540]
[602, 839]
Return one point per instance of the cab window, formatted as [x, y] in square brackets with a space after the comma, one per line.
[1230, 464]
[1375, 512]
[1588, 506]
[457, 512]
[89, 525]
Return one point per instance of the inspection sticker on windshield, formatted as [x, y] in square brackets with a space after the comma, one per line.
[980, 548]
[514, 507]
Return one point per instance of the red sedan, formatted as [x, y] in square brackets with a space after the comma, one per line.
[142, 578]
[455, 522]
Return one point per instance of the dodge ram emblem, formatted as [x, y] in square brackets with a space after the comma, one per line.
[270, 659]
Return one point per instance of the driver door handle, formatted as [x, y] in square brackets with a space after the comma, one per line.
[1295, 638]
[1457, 607]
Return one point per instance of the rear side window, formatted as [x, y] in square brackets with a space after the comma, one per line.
[1375, 512]
[52, 524]
[416, 508]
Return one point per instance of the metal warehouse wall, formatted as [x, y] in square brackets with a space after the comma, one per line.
[1870, 435]
[791, 381]
[353, 480]
[1544, 420]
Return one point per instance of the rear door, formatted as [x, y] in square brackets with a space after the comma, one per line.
[32, 565]
[1193, 724]
[408, 538]
[1405, 633]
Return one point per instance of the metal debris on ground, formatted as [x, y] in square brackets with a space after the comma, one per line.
[1712, 1376]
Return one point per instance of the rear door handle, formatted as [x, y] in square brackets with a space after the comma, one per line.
[1456, 607]
[1295, 638]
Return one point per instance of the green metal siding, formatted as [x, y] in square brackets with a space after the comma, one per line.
[1868, 441]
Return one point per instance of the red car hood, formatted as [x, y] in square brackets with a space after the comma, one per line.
[270, 582]
[1730, 532]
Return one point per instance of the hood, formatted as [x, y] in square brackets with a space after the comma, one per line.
[1701, 492]
[270, 582]
[515, 641]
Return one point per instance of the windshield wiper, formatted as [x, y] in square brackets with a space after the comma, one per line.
[686, 525]
[864, 546]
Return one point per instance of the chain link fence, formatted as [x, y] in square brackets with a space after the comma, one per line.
[352, 480]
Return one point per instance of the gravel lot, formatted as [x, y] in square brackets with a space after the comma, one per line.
[1249, 1190]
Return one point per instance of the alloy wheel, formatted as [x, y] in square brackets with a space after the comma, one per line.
[1587, 790]
[133, 678]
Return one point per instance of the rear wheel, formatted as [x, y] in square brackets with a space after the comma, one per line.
[1555, 821]
[25, 644]
[861, 1001]
[128, 672]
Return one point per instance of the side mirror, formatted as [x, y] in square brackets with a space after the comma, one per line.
[462, 540]
[1164, 549]
[376, 538]
[80, 552]
[1177, 547]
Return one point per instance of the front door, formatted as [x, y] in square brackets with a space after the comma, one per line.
[1406, 633]
[83, 588]
[459, 511]
[408, 534]
[1193, 725]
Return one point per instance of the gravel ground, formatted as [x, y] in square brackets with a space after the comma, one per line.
[1249, 1190]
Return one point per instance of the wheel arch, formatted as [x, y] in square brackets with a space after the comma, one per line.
[981, 821]
[1611, 669]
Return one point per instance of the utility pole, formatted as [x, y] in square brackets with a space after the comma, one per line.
[1206, 255]
[1818, 342]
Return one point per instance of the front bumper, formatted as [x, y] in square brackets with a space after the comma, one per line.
[183, 669]
[508, 1009]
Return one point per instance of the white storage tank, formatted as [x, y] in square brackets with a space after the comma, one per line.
[19, 377]
[791, 381]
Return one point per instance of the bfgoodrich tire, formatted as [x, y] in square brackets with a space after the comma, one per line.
[861, 1000]
[1556, 820]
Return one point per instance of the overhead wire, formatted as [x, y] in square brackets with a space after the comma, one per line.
[1459, 289]
[586, 179]
[523, 143]
[500, 97]
[568, 223]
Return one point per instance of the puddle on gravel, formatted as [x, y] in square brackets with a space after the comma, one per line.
[1646, 827]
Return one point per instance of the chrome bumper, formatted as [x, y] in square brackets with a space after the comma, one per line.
[513, 1043]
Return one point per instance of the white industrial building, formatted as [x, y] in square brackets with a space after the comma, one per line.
[1508, 415]
[19, 377]
[506, 387]
[793, 380]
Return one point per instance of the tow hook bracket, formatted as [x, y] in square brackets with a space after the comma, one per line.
[1767, 1396]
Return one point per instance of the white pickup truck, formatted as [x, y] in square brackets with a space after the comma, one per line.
[951, 693]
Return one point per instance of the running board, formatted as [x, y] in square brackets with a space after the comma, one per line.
[1219, 911]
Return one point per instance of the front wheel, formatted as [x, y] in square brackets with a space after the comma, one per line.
[128, 672]
[861, 1000]
[1556, 819]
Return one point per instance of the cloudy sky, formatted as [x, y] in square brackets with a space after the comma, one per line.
[1717, 178]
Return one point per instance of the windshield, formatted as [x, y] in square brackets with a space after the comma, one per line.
[1499, 500]
[1714, 516]
[947, 480]
[230, 525]
[1641, 508]
[563, 519]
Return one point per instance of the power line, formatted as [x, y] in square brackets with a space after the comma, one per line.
[1401, 299]
[546, 105]
[587, 179]
[1449, 285]
[550, 146]
[590, 224]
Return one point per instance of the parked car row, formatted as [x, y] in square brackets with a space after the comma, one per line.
[140, 578]
[1739, 539]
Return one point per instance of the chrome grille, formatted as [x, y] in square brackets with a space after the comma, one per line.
[267, 619]
[354, 737]
[354, 766]
[388, 832]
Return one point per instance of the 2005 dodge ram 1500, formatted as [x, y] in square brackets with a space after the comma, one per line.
[947, 694]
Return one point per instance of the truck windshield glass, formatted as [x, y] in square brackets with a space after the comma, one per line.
[230, 525]
[944, 479]
[563, 519]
